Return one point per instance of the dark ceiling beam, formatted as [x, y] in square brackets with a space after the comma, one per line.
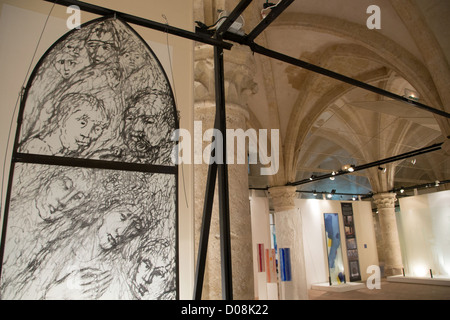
[101, 11]
[378, 163]
[328, 73]
[273, 14]
[334, 75]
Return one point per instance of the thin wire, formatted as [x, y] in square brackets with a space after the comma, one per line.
[19, 99]
[176, 103]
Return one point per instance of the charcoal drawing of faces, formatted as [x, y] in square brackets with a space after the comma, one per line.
[66, 65]
[82, 122]
[146, 126]
[118, 225]
[71, 58]
[59, 197]
[131, 59]
[152, 279]
[102, 44]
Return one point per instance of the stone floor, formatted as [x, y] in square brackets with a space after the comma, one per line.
[388, 291]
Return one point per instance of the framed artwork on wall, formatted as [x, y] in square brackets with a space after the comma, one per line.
[336, 273]
[350, 241]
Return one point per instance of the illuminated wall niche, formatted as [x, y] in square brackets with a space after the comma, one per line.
[91, 210]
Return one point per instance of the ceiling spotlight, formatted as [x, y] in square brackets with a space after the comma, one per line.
[312, 177]
[348, 167]
[413, 161]
[332, 175]
[402, 190]
[354, 198]
[382, 169]
[329, 196]
[332, 178]
[437, 183]
[315, 193]
[410, 94]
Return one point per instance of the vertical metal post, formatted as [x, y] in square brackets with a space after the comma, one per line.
[224, 208]
[204, 231]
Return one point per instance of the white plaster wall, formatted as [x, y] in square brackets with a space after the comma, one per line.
[259, 208]
[424, 224]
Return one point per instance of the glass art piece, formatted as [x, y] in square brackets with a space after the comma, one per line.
[91, 211]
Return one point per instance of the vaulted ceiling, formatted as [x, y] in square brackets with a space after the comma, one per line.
[325, 123]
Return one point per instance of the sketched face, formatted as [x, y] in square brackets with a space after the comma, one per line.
[131, 61]
[118, 225]
[100, 51]
[85, 125]
[66, 66]
[152, 278]
[58, 198]
[142, 130]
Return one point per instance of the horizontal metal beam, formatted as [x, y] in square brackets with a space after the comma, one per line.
[421, 186]
[334, 75]
[403, 156]
[92, 164]
[101, 11]
[328, 73]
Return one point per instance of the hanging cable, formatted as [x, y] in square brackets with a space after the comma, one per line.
[176, 104]
[20, 97]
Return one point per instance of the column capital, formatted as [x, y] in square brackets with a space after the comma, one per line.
[283, 198]
[385, 200]
[240, 71]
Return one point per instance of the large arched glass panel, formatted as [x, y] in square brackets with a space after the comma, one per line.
[91, 210]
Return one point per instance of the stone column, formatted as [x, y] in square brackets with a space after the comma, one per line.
[288, 226]
[239, 71]
[385, 203]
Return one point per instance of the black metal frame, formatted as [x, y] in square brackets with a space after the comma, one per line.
[216, 39]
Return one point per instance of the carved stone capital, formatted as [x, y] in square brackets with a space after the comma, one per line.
[240, 70]
[385, 200]
[283, 198]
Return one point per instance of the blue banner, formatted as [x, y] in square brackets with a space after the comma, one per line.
[285, 264]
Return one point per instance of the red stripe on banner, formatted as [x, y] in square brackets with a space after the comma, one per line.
[261, 265]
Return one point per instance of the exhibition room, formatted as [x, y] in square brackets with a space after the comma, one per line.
[225, 150]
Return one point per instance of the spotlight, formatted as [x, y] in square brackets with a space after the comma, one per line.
[437, 183]
[413, 161]
[410, 94]
[333, 174]
[402, 190]
[329, 196]
[348, 167]
[314, 192]
[382, 169]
